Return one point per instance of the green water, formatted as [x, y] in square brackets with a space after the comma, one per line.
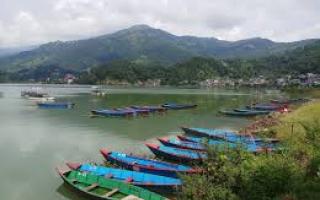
[33, 141]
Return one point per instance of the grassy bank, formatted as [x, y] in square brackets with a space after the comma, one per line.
[291, 174]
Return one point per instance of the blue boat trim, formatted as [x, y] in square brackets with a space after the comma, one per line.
[176, 154]
[55, 105]
[175, 106]
[132, 177]
[146, 165]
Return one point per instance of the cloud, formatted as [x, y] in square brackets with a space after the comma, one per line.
[37, 21]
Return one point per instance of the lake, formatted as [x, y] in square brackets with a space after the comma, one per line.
[33, 141]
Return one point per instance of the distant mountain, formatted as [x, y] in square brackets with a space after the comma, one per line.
[4, 52]
[140, 43]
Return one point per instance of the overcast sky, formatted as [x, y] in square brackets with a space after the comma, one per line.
[26, 22]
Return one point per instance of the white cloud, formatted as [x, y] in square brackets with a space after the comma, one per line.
[38, 21]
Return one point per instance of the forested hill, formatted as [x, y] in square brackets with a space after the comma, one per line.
[140, 44]
[299, 61]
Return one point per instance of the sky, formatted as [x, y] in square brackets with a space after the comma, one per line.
[29, 22]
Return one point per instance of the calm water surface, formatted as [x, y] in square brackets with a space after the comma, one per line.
[33, 141]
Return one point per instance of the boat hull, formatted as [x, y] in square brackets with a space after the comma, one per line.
[178, 106]
[110, 113]
[113, 190]
[220, 134]
[174, 157]
[152, 168]
[182, 144]
[243, 113]
[56, 105]
[141, 179]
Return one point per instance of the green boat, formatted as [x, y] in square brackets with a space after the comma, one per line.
[100, 187]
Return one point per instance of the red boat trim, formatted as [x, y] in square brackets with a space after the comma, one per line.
[151, 145]
[165, 139]
[73, 165]
[105, 152]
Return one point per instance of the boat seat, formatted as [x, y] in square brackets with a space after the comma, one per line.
[131, 197]
[111, 192]
[108, 176]
[90, 187]
[73, 180]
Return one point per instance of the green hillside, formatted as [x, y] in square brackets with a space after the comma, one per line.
[141, 44]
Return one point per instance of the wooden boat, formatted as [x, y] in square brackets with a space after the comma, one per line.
[34, 92]
[244, 113]
[150, 108]
[174, 106]
[171, 142]
[103, 188]
[112, 113]
[211, 133]
[258, 146]
[289, 101]
[258, 141]
[218, 134]
[135, 110]
[146, 165]
[132, 177]
[176, 154]
[98, 91]
[55, 105]
[266, 107]
[42, 99]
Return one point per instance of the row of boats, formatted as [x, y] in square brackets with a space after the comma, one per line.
[263, 109]
[141, 110]
[48, 102]
[137, 177]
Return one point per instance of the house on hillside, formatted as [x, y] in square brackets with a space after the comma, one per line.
[69, 78]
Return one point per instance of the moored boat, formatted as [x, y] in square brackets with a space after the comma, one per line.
[289, 101]
[211, 133]
[112, 113]
[266, 107]
[176, 154]
[102, 188]
[36, 94]
[258, 141]
[152, 166]
[171, 142]
[174, 106]
[244, 113]
[150, 108]
[97, 91]
[55, 105]
[257, 145]
[134, 110]
[132, 177]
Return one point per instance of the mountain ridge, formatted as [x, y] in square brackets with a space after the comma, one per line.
[141, 43]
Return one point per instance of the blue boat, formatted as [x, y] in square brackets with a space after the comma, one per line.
[132, 177]
[147, 165]
[171, 142]
[112, 113]
[174, 106]
[259, 145]
[176, 154]
[136, 111]
[244, 112]
[267, 107]
[150, 108]
[55, 105]
[289, 101]
[221, 134]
